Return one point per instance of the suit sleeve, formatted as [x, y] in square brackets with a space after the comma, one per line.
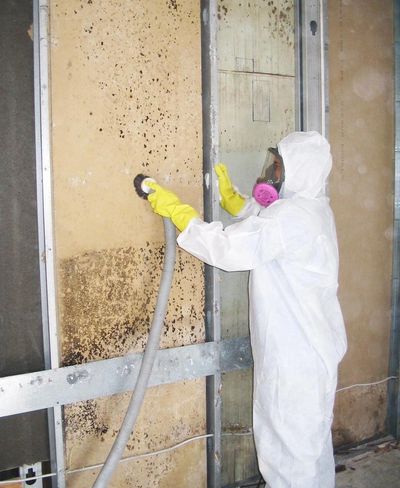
[243, 246]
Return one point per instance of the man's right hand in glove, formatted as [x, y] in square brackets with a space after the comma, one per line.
[167, 204]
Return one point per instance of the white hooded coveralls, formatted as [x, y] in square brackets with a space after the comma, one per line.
[296, 324]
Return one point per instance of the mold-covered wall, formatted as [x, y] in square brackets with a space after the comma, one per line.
[126, 99]
[361, 65]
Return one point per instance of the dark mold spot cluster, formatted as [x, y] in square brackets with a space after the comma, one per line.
[222, 10]
[280, 20]
[86, 420]
[136, 57]
[108, 299]
[142, 63]
[172, 4]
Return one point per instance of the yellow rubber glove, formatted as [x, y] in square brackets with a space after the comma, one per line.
[231, 200]
[167, 204]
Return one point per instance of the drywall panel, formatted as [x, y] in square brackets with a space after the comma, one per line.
[361, 133]
[126, 99]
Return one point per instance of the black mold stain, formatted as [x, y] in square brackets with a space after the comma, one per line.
[172, 4]
[222, 10]
[108, 299]
[85, 421]
[280, 21]
[142, 84]
[277, 17]
[91, 421]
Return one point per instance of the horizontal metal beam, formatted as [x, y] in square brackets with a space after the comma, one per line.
[62, 386]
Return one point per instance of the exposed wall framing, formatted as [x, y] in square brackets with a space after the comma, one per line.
[99, 122]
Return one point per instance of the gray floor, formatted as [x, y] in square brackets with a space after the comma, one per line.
[372, 465]
[377, 468]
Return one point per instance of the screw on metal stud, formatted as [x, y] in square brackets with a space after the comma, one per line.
[313, 27]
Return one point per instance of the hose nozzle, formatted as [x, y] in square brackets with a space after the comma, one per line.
[140, 186]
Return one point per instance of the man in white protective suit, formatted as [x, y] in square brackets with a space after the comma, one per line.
[288, 242]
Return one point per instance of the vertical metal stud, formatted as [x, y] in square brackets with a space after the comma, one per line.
[211, 212]
[394, 358]
[45, 224]
[312, 93]
[298, 66]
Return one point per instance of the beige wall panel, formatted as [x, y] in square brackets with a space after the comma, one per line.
[179, 470]
[92, 426]
[361, 134]
[126, 99]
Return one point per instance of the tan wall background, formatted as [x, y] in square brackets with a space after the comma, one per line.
[361, 134]
[126, 99]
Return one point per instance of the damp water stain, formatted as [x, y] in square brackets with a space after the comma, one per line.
[360, 413]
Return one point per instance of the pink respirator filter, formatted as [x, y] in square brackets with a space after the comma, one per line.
[265, 194]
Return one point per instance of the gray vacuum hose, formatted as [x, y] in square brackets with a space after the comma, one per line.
[152, 346]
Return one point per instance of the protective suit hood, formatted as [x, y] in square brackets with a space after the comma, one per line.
[308, 162]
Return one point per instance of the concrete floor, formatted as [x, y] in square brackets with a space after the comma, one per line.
[374, 465]
[376, 468]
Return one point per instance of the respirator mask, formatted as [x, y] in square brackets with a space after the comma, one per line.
[267, 187]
